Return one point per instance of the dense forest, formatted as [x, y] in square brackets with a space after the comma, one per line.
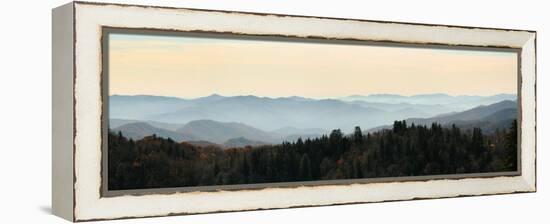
[404, 150]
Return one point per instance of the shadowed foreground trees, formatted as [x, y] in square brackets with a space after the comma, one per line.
[405, 150]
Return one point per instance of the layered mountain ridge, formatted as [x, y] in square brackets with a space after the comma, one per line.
[251, 120]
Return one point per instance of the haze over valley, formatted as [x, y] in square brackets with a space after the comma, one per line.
[235, 121]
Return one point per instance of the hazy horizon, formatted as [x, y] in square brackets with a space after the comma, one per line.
[335, 97]
[192, 67]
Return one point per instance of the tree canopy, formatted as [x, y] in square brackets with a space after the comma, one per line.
[404, 150]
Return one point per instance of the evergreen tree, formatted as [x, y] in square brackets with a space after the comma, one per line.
[510, 159]
[402, 150]
[358, 135]
[305, 168]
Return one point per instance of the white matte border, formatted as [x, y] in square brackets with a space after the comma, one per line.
[91, 17]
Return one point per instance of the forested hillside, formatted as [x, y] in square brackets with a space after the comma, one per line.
[403, 150]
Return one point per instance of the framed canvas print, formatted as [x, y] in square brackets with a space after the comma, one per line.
[166, 111]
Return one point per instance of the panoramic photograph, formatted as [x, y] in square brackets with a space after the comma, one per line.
[207, 110]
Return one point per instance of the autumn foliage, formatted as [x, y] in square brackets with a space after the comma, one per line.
[404, 150]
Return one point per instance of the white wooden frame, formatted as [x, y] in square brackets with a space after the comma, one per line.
[77, 110]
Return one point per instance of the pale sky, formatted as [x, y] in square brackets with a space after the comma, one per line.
[192, 67]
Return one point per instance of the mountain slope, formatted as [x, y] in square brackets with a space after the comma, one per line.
[286, 131]
[219, 132]
[140, 106]
[477, 113]
[409, 109]
[138, 130]
[462, 102]
[242, 142]
[115, 123]
[303, 113]
[488, 118]
[269, 113]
